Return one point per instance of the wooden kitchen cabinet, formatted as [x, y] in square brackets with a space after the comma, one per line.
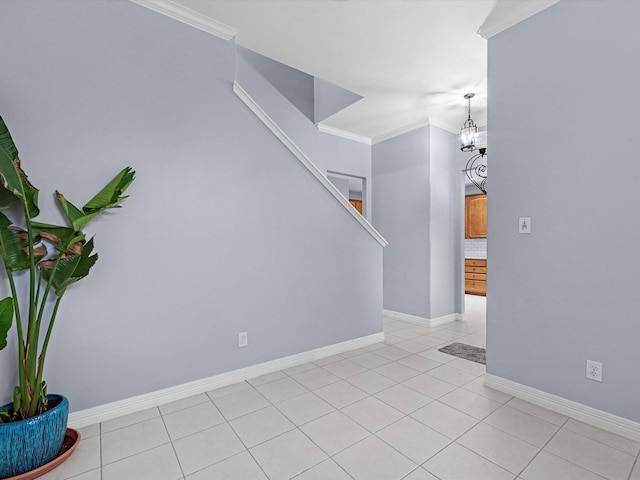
[475, 225]
[475, 276]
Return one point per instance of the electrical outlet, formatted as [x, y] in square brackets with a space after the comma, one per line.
[242, 339]
[524, 225]
[594, 370]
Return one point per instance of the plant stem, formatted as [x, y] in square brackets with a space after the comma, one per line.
[45, 345]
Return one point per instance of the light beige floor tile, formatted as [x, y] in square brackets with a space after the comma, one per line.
[372, 459]
[412, 347]
[84, 459]
[403, 398]
[436, 355]
[372, 413]
[451, 375]
[288, 455]
[591, 455]
[327, 470]
[397, 371]
[159, 463]
[56, 475]
[468, 366]
[477, 386]
[373, 347]
[536, 411]
[228, 390]
[526, 427]
[429, 386]
[413, 439]
[345, 368]
[444, 419]
[89, 431]
[353, 353]
[206, 448]
[240, 403]
[133, 439]
[445, 336]
[291, 371]
[315, 378]
[260, 426]
[131, 419]
[618, 442]
[501, 448]
[547, 467]
[334, 432]
[391, 339]
[392, 353]
[428, 340]
[456, 462]
[420, 363]
[239, 467]
[281, 390]
[327, 360]
[470, 403]
[419, 474]
[340, 394]
[370, 360]
[184, 403]
[267, 378]
[304, 408]
[191, 420]
[371, 382]
[407, 333]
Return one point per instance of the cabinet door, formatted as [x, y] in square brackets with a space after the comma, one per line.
[476, 216]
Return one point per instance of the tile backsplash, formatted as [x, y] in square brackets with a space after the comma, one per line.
[475, 248]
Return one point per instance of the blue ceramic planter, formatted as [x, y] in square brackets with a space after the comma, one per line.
[31, 443]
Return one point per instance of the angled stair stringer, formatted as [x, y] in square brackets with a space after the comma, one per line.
[247, 81]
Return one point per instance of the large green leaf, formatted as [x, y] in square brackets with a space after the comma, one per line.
[111, 193]
[73, 266]
[6, 317]
[6, 142]
[108, 197]
[13, 245]
[61, 237]
[12, 176]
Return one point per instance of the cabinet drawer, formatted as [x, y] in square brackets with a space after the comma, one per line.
[475, 286]
[475, 262]
[476, 276]
[475, 269]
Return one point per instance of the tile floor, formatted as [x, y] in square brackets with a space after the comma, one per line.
[393, 410]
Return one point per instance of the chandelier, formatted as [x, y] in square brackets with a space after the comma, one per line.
[470, 140]
[469, 131]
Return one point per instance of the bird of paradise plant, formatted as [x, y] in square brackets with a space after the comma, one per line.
[52, 257]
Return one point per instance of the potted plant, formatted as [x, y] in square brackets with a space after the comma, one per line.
[44, 260]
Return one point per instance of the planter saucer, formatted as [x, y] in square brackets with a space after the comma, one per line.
[71, 440]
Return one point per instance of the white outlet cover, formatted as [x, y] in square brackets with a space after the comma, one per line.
[524, 225]
[242, 339]
[594, 370]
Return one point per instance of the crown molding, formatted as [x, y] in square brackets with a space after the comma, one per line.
[189, 17]
[506, 14]
[343, 133]
[423, 122]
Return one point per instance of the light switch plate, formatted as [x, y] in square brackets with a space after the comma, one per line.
[524, 225]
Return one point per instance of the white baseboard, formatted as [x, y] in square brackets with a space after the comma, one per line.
[592, 416]
[112, 410]
[425, 322]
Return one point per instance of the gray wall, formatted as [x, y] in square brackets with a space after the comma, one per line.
[210, 243]
[417, 207]
[445, 216]
[564, 152]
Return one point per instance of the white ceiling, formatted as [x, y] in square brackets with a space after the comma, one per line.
[411, 60]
